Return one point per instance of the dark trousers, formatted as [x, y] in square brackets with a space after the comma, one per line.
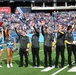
[70, 49]
[60, 50]
[35, 56]
[22, 52]
[47, 54]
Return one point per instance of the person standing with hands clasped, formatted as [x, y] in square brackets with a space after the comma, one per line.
[48, 39]
[71, 47]
[24, 45]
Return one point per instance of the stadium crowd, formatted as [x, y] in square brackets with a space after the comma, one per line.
[65, 18]
[25, 20]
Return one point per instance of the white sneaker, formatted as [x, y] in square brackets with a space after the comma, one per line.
[8, 66]
[11, 65]
[0, 66]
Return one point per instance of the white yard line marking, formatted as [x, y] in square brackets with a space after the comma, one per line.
[61, 69]
[37, 67]
[47, 69]
[72, 69]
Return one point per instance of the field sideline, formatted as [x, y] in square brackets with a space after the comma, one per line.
[33, 71]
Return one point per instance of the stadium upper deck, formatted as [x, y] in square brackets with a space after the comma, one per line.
[40, 4]
[41, 0]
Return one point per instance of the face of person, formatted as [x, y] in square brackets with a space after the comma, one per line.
[71, 30]
[23, 33]
[48, 30]
[60, 27]
[43, 22]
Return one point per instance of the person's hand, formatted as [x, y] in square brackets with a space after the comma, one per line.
[33, 24]
[26, 49]
[43, 23]
[73, 43]
[16, 25]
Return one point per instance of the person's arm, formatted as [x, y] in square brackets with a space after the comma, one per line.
[62, 33]
[2, 32]
[52, 40]
[67, 42]
[28, 44]
[73, 25]
[42, 30]
[17, 32]
[36, 31]
[14, 43]
[16, 26]
[66, 39]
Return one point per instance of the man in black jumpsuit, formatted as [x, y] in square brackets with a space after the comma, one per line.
[35, 47]
[48, 38]
[24, 41]
[69, 38]
[60, 46]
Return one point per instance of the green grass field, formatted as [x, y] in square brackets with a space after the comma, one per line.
[30, 70]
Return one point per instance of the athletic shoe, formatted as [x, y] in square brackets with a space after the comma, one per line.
[26, 65]
[56, 66]
[20, 65]
[0, 66]
[70, 66]
[11, 65]
[61, 66]
[8, 66]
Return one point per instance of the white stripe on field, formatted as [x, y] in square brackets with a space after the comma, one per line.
[38, 67]
[72, 69]
[47, 69]
[61, 69]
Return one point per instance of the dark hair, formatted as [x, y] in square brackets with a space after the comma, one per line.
[24, 30]
[69, 27]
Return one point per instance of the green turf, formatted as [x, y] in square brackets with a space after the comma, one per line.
[30, 70]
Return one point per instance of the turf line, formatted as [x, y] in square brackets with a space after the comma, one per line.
[47, 69]
[61, 69]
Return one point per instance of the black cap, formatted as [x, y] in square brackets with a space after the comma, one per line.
[69, 27]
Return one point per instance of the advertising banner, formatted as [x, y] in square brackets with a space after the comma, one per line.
[5, 9]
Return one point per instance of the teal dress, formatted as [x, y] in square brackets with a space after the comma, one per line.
[10, 43]
[1, 46]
